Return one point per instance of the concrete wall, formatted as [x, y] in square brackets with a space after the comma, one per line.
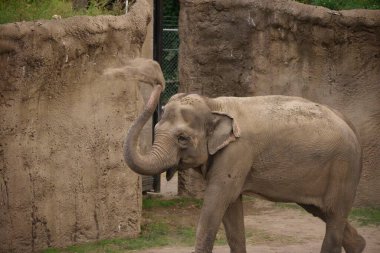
[147, 49]
[253, 47]
[145, 89]
[62, 124]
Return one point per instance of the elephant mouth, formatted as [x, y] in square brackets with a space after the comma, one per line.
[183, 165]
[180, 167]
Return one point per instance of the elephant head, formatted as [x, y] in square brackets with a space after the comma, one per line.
[191, 129]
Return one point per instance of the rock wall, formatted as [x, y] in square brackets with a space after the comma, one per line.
[62, 124]
[253, 47]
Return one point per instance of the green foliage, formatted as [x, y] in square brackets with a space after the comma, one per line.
[26, 10]
[152, 235]
[155, 202]
[156, 234]
[344, 4]
[366, 216]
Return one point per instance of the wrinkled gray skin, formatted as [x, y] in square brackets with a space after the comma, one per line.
[284, 149]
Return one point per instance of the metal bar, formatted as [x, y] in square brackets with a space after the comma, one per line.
[157, 56]
[157, 30]
[170, 30]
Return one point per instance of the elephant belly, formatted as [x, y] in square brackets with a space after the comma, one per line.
[285, 190]
[295, 176]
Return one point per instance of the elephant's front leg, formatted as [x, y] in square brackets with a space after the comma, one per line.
[225, 180]
[233, 222]
[213, 209]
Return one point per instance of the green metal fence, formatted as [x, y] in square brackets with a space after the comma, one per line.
[170, 41]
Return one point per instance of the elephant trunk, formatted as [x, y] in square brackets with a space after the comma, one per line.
[162, 155]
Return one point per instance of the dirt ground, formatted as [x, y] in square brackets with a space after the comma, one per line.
[275, 228]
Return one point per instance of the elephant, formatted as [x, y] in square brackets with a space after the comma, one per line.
[281, 148]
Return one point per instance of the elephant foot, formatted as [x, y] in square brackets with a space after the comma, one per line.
[352, 241]
[356, 246]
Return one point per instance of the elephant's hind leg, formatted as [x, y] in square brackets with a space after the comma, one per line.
[335, 227]
[352, 241]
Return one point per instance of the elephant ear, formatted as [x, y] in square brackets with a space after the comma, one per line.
[224, 130]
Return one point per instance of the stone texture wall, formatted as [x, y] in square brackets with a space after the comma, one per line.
[253, 47]
[62, 124]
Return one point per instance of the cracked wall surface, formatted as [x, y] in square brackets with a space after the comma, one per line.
[62, 175]
[254, 47]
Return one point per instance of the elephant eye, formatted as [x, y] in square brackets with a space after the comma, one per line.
[183, 140]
